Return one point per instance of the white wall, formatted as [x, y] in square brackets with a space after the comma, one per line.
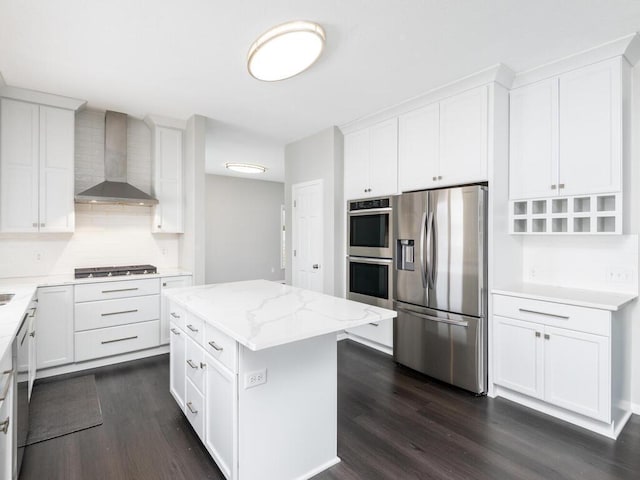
[320, 156]
[242, 229]
[104, 234]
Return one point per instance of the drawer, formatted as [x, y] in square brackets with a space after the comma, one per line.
[104, 342]
[194, 327]
[221, 347]
[176, 282]
[121, 311]
[177, 315]
[194, 409]
[194, 363]
[380, 332]
[88, 292]
[581, 319]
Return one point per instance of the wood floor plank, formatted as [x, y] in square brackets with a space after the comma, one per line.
[393, 424]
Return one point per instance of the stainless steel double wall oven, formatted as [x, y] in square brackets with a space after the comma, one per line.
[370, 248]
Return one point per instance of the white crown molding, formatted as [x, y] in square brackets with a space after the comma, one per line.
[499, 73]
[41, 98]
[627, 47]
[153, 121]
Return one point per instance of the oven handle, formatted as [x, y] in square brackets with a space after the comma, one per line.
[374, 261]
[456, 323]
[371, 210]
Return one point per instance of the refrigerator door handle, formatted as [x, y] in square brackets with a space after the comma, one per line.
[423, 234]
[430, 269]
[457, 323]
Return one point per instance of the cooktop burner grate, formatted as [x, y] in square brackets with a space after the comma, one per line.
[93, 272]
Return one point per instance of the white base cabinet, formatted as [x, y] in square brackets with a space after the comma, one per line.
[178, 281]
[564, 360]
[378, 335]
[7, 420]
[177, 380]
[55, 326]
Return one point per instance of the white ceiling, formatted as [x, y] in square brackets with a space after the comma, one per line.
[177, 58]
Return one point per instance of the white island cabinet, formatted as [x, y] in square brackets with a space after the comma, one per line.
[254, 369]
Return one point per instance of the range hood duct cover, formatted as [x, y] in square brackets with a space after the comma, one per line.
[115, 189]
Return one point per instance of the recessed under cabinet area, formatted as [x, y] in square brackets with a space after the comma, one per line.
[594, 214]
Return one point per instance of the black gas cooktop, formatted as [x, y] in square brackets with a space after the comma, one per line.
[93, 272]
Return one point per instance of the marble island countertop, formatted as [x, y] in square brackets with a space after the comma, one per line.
[261, 314]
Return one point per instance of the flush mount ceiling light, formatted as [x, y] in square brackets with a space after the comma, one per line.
[285, 51]
[245, 167]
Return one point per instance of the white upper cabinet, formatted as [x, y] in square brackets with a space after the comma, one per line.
[445, 143]
[419, 148]
[36, 167]
[463, 137]
[167, 180]
[534, 140]
[566, 134]
[371, 161]
[590, 129]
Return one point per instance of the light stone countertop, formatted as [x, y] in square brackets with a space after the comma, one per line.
[261, 314]
[611, 301]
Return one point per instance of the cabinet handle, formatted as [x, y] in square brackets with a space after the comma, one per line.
[546, 336]
[215, 346]
[202, 365]
[561, 185]
[33, 334]
[4, 426]
[34, 225]
[439, 177]
[164, 284]
[159, 226]
[119, 340]
[553, 187]
[191, 409]
[42, 224]
[374, 324]
[537, 334]
[192, 328]
[120, 290]
[524, 310]
[435, 178]
[175, 315]
[191, 364]
[118, 313]
[175, 332]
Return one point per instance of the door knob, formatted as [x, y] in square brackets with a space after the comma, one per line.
[316, 266]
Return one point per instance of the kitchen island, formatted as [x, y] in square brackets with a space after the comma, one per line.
[254, 369]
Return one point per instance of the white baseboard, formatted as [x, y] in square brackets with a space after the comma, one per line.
[101, 362]
[369, 343]
[635, 408]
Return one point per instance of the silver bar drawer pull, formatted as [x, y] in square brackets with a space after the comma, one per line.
[120, 290]
[104, 342]
[175, 315]
[215, 346]
[119, 313]
[374, 324]
[191, 364]
[191, 409]
[4, 426]
[175, 332]
[192, 328]
[524, 310]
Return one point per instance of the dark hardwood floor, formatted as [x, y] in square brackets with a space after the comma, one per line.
[393, 424]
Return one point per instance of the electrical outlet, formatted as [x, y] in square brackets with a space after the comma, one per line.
[619, 275]
[253, 379]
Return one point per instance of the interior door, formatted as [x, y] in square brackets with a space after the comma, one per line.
[455, 246]
[409, 277]
[307, 236]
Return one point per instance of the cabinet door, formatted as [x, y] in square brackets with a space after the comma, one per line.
[8, 437]
[419, 148]
[221, 415]
[177, 361]
[590, 129]
[577, 375]
[54, 344]
[519, 356]
[463, 137]
[19, 157]
[383, 159]
[57, 213]
[356, 165]
[168, 283]
[168, 216]
[32, 352]
[533, 147]
[378, 332]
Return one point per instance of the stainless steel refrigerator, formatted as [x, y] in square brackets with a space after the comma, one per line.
[440, 284]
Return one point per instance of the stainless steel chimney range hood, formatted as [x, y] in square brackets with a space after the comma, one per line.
[115, 189]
